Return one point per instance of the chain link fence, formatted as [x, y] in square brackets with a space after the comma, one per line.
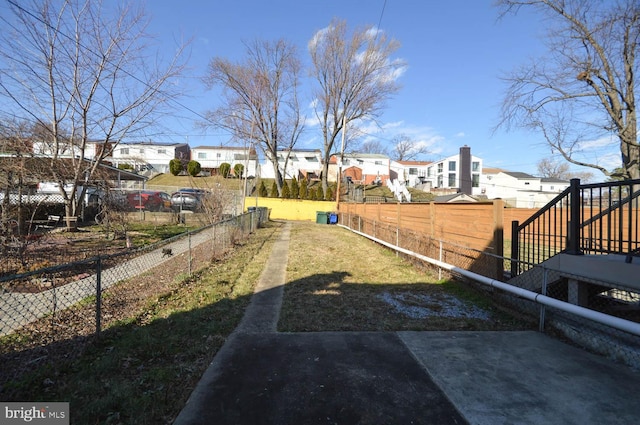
[45, 309]
[611, 298]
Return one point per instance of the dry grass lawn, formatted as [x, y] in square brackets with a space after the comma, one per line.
[339, 281]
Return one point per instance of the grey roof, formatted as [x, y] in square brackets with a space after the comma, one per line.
[519, 175]
[553, 180]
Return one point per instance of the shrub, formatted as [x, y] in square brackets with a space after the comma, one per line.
[311, 194]
[274, 191]
[193, 168]
[175, 166]
[286, 192]
[225, 169]
[295, 188]
[329, 194]
[319, 194]
[238, 170]
[303, 189]
[262, 190]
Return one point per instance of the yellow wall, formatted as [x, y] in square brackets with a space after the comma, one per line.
[291, 209]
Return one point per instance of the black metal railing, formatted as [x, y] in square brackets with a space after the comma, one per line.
[600, 218]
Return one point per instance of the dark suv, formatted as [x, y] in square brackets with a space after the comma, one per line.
[188, 198]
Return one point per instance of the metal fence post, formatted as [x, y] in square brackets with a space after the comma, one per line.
[98, 295]
[189, 249]
[515, 248]
[573, 244]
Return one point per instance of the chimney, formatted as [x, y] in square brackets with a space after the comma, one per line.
[465, 170]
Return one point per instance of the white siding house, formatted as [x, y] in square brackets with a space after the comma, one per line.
[521, 190]
[211, 157]
[153, 156]
[457, 173]
[413, 173]
[300, 163]
[361, 167]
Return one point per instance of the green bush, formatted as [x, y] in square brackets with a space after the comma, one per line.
[303, 189]
[238, 170]
[319, 194]
[295, 188]
[274, 191]
[286, 192]
[175, 166]
[193, 168]
[262, 190]
[225, 169]
[329, 194]
[311, 194]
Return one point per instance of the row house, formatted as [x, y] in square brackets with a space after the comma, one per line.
[456, 173]
[298, 163]
[362, 168]
[151, 156]
[211, 157]
[520, 190]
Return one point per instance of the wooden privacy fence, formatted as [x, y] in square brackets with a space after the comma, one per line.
[481, 226]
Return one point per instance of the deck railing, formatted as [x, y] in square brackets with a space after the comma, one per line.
[602, 218]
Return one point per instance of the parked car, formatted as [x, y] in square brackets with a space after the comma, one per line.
[150, 200]
[188, 198]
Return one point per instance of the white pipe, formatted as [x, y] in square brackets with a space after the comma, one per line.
[596, 316]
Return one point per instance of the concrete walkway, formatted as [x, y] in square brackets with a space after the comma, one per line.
[263, 377]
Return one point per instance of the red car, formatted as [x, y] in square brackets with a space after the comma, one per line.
[149, 200]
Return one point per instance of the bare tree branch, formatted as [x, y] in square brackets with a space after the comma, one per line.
[260, 99]
[355, 77]
[80, 69]
[587, 84]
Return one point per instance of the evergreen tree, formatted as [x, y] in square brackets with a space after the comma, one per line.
[319, 194]
[286, 192]
[274, 191]
[311, 194]
[262, 190]
[329, 195]
[303, 194]
[295, 188]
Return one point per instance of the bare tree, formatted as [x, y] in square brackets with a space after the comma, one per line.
[550, 167]
[82, 71]
[373, 146]
[355, 77]
[260, 99]
[407, 149]
[585, 89]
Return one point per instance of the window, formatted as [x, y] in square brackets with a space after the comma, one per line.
[141, 151]
[440, 180]
[162, 151]
[429, 171]
[475, 180]
[218, 155]
[311, 159]
[378, 162]
[475, 166]
[452, 179]
[360, 162]
[202, 155]
[526, 183]
[440, 168]
[413, 171]
[124, 151]
[452, 166]
[346, 161]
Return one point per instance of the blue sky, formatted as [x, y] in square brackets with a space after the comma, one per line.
[455, 50]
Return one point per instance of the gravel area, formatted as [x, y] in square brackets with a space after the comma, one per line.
[421, 306]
